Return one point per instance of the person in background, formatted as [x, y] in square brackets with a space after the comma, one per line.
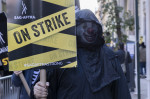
[125, 60]
[142, 53]
[1, 88]
[121, 53]
[132, 75]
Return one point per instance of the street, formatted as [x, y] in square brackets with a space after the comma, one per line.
[143, 90]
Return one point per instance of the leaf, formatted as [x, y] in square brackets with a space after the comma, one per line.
[112, 10]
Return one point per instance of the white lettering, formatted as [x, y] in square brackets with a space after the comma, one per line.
[24, 17]
[43, 64]
[4, 49]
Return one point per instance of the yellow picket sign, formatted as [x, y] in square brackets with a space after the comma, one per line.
[59, 40]
[32, 32]
[56, 46]
[39, 60]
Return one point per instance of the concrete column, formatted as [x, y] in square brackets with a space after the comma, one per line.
[148, 46]
[0, 6]
[122, 4]
[141, 18]
[131, 7]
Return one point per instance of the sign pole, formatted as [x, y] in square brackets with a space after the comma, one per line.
[24, 83]
[42, 71]
[43, 77]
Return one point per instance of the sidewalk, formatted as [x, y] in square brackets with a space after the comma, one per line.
[143, 90]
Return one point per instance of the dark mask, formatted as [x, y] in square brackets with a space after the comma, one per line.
[88, 35]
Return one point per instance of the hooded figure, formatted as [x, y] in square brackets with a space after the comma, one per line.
[98, 74]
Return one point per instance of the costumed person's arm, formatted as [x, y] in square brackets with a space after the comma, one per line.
[119, 88]
[38, 90]
[32, 91]
[16, 81]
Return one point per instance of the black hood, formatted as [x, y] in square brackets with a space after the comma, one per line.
[96, 63]
[87, 16]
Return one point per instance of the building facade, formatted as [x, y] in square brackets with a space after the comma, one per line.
[144, 27]
[2, 6]
[148, 45]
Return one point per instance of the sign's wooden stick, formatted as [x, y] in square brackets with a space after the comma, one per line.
[24, 83]
[43, 77]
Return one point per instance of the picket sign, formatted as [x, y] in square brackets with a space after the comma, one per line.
[43, 38]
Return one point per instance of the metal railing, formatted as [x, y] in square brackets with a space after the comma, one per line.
[7, 90]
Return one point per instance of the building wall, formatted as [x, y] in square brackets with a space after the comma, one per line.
[142, 19]
[148, 46]
[131, 7]
[128, 5]
[0, 6]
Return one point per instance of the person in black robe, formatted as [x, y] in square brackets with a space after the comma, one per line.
[98, 74]
[124, 58]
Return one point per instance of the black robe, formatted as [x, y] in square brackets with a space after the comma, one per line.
[77, 83]
[98, 74]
